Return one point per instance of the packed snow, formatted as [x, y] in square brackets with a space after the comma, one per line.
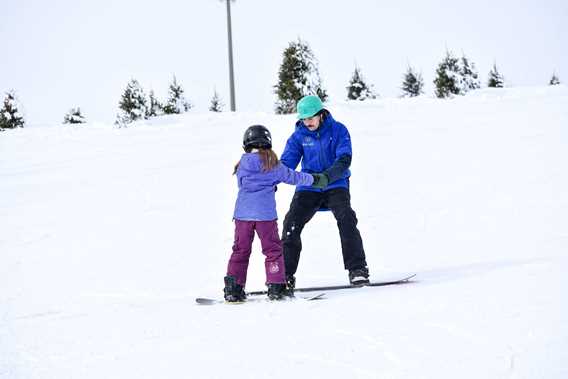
[108, 235]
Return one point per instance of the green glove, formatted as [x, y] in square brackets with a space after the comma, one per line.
[320, 181]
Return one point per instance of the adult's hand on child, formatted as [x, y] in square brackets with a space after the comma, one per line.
[320, 181]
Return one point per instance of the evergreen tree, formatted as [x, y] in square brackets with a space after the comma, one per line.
[447, 79]
[155, 108]
[176, 102]
[455, 76]
[554, 80]
[358, 88]
[412, 84]
[10, 116]
[132, 105]
[74, 116]
[496, 80]
[216, 103]
[469, 78]
[298, 76]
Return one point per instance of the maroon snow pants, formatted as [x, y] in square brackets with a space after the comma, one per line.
[271, 247]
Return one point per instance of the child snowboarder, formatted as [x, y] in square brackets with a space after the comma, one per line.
[258, 172]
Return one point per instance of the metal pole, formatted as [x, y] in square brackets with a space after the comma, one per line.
[231, 74]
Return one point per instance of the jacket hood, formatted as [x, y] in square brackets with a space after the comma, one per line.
[250, 162]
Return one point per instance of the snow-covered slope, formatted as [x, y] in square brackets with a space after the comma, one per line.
[107, 236]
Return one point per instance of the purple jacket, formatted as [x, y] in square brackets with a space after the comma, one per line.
[256, 201]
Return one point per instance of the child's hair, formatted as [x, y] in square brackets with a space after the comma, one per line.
[268, 158]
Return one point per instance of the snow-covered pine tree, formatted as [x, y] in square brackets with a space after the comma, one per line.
[469, 77]
[74, 116]
[554, 80]
[298, 76]
[155, 108]
[358, 88]
[216, 103]
[176, 102]
[448, 75]
[132, 105]
[496, 80]
[412, 84]
[455, 76]
[10, 116]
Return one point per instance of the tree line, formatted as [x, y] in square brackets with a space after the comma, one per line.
[298, 76]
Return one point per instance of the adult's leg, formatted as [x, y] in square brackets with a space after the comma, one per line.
[239, 261]
[272, 249]
[339, 201]
[302, 208]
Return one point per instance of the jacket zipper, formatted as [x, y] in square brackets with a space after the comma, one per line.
[320, 155]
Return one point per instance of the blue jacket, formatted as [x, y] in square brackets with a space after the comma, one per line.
[256, 200]
[328, 149]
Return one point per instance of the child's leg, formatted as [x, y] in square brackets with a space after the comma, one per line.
[272, 249]
[238, 263]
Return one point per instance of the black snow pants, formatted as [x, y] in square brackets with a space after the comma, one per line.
[303, 207]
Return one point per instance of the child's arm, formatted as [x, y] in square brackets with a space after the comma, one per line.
[289, 176]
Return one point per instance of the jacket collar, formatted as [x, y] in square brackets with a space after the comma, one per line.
[327, 121]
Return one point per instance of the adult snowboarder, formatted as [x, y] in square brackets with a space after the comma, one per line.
[323, 145]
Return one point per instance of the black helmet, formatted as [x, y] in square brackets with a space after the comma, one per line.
[257, 136]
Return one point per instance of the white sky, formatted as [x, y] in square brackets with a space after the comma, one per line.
[65, 53]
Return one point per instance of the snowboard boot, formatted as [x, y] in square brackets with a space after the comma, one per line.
[290, 285]
[276, 291]
[359, 276]
[234, 293]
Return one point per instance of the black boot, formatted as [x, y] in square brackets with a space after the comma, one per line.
[234, 292]
[359, 276]
[290, 285]
[276, 291]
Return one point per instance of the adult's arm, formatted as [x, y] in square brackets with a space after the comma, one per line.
[292, 153]
[338, 168]
[343, 153]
